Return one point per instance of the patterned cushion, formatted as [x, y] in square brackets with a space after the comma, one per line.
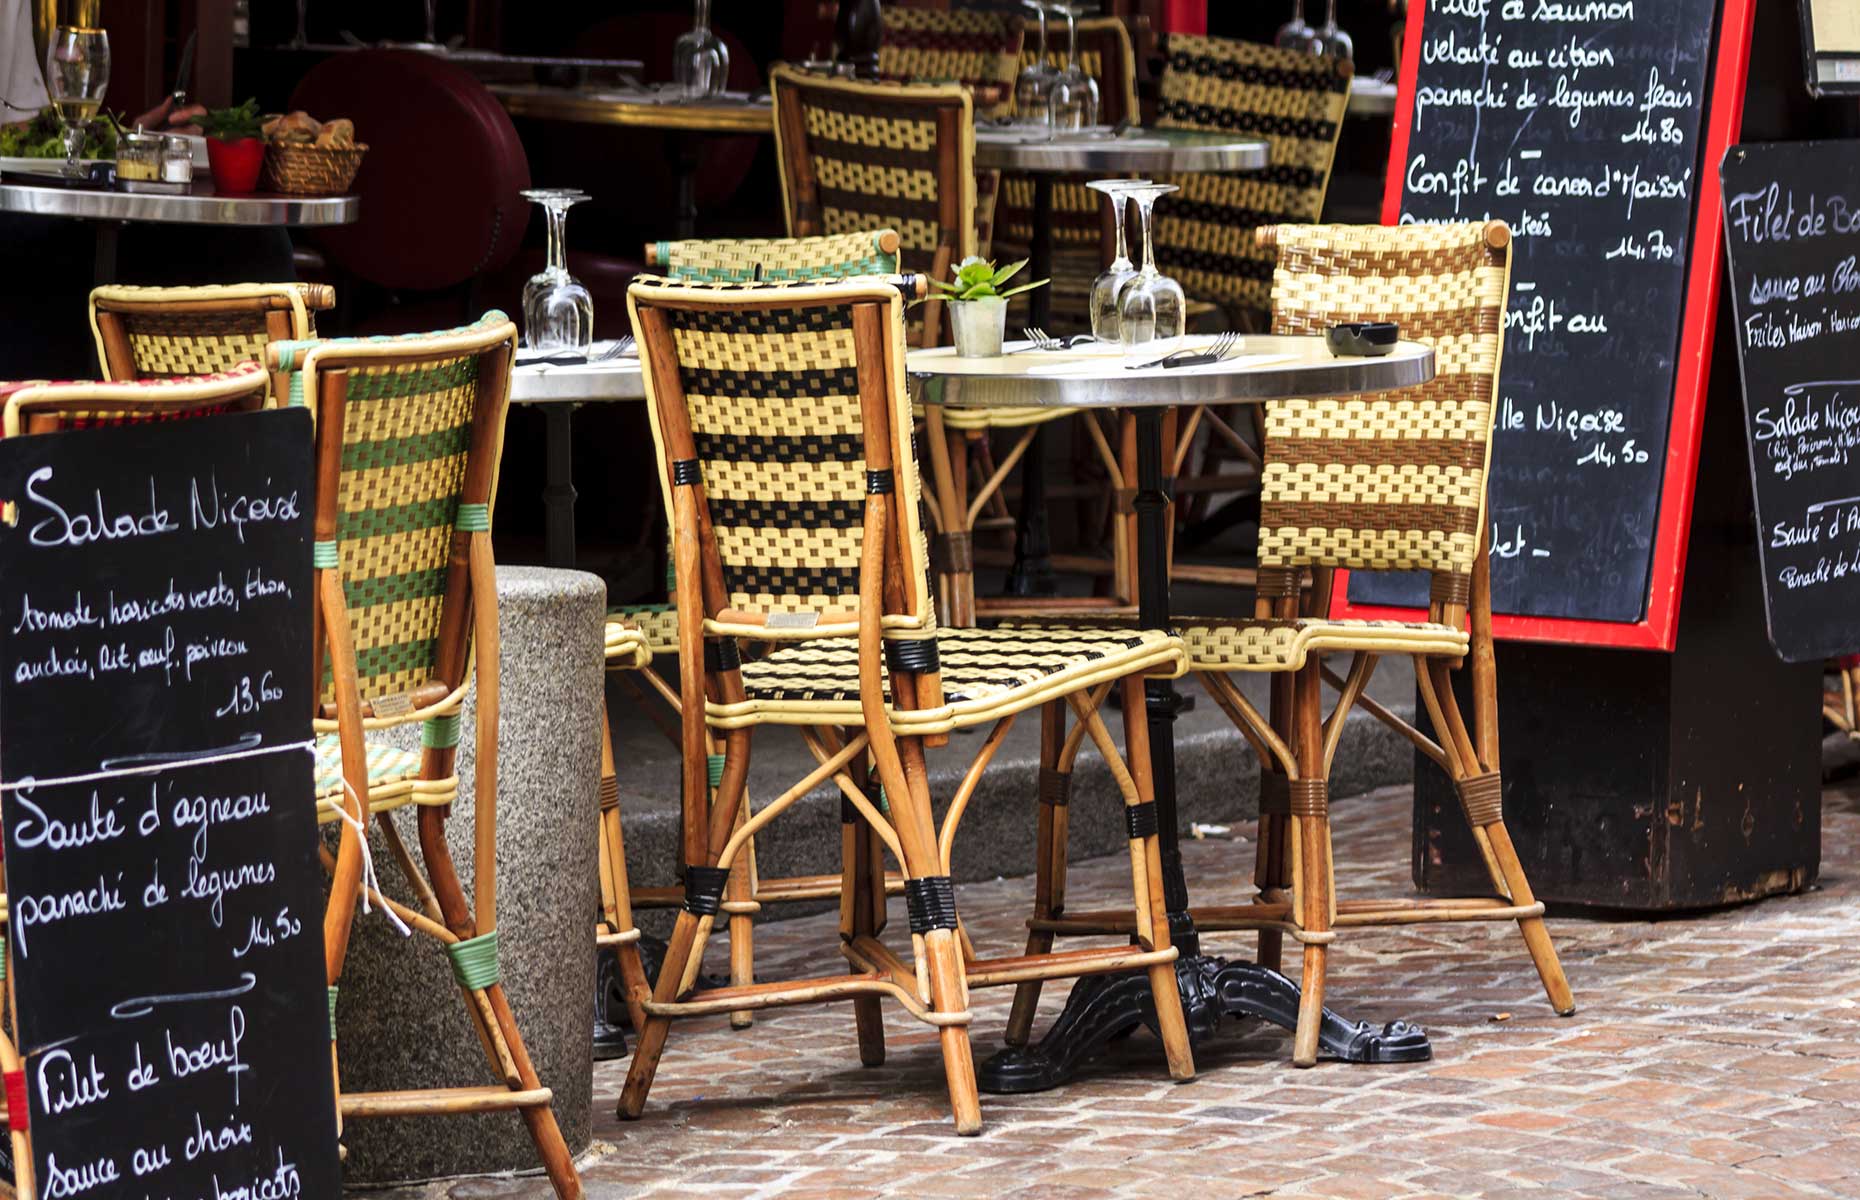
[393, 780]
[986, 674]
[658, 623]
[1260, 645]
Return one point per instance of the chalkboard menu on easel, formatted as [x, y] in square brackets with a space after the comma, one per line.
[1583, 126]
[1831, 46]
[1792, 225]
[164, 889]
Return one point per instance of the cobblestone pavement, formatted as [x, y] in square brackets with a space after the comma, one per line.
[1715, 1055]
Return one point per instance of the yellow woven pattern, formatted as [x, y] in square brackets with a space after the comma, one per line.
[830, 256]
[406, 434]
[1295, 102]
[658, 622]
[1396, 481]
[161, 354]
[978, 49]
[1215, 645]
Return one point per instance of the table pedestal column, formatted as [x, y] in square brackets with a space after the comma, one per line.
[1104, 1007]
[1032, 572]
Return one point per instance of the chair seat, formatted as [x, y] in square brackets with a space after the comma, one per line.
[986, 674]
[393, 780]
[658, 623]
[1016, 417]
[625, 646]
[1234, 644]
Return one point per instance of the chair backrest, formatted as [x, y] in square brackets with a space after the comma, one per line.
[777, 260]
[980, 50]
[157, 332]
[1393, 481]
[1296, 102]
[877, 155]
[44, 407]
[409, 430]
[773, 402]
[439, 185]
[1106, 56]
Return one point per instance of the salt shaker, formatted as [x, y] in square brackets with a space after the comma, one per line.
[177, 159]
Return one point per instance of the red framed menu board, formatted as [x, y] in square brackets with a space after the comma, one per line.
[1594, 128]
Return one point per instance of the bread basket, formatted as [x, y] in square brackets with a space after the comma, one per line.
[295, 169]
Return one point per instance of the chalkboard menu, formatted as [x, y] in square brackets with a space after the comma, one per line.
[164, 892]
[1792, 225]
[1581, 124]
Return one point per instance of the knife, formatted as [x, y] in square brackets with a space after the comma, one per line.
[187, 65]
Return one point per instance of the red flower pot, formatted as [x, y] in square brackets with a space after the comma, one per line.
[235, 164]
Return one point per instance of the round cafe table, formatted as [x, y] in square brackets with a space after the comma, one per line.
[1102, 152]
[111, 210]
[1261, 368]
[557, 389]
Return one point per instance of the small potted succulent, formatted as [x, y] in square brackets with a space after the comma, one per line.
[978, 305]
[235, 149]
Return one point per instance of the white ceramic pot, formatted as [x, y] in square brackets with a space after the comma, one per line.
[980, 326]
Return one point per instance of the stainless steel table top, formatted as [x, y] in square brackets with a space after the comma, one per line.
[200, 207]
[1102, 152]
[1371, 98]
[613, 380]
[1261, 367]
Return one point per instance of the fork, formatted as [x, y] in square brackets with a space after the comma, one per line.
[1041, 339]
[1213, 352]
[623, 346]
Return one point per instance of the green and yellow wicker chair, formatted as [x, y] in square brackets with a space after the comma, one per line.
[151, 332]
[871, 155]
[408, 433]
[1370, 483]
[794, 494]
[40, 406]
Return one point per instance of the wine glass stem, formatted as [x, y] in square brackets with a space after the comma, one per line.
[1330, 17]
[1072, 41]
[1298, 12]
[700, 13]
[1146, 206]
[1121, 203]
[558, 236]
[432, 22]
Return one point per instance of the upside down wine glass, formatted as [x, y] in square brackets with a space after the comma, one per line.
[558, 313]
[700, 60]
[1330, 41]
[1105, 288]
[1295, 34]
[1035, 82]
[1151, 309]
[1072, 104]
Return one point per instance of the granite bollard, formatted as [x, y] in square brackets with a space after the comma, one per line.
[399, 1017]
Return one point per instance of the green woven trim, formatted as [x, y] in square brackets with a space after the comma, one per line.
[387, 383]
[440, 733]
[473, 518]
[393, 589]
[406, 451]
[332, 1013]
[474, 961]
[437, 513]
[297, 389]
[715, 763]
[323, 555]
[400, 656]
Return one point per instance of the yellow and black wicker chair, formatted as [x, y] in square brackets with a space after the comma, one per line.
[151, 332]
[784, 433]
[866, 155]
[636, 632]
[408, 433]
[1371, 483]
[1078, 212]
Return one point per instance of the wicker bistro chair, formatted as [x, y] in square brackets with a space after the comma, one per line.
[1079, 242]
[784, 432]
[636, 632]
[979, 50]
[41, 406]
[152, 333]
[865, 155]
[408, 435]
[1371, 483]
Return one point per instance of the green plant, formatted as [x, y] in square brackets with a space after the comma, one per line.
[977, 279]
[232, 124]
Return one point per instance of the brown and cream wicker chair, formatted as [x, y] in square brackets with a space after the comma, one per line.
[408, 434]
[154, 332]
[979, 50]
[1078, 212]
[42, 406]
[866, 155]
[785, 438]
[636, 632]
[1371, 483]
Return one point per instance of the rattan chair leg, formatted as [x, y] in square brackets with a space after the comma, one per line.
[616, 890]
[650, 1043]
[1048, 892]
[740, 892]
[1312, 831]
[868, 907]
[1164, 990]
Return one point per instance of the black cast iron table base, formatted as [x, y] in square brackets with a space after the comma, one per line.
[1103, 1008]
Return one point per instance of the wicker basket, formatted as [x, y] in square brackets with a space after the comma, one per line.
[310, 170]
